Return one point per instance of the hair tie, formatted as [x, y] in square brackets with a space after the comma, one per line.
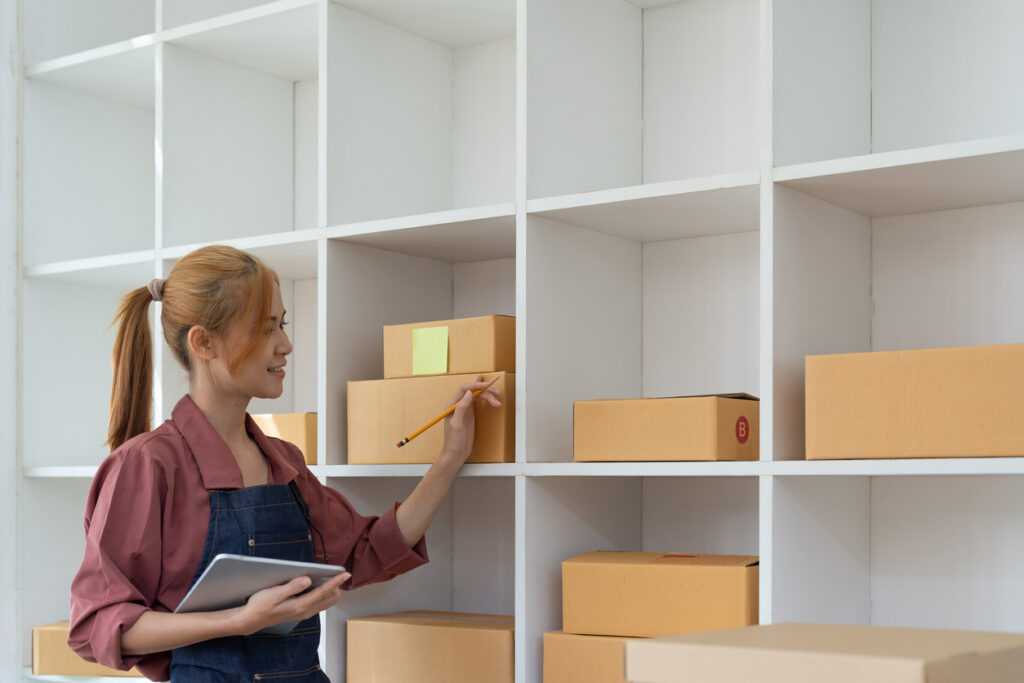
[156, 288]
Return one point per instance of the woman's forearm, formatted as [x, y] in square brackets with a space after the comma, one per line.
[162, 631]
[418, 510]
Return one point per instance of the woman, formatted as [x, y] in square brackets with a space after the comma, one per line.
[207, 481]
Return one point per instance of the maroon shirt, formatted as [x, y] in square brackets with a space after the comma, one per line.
[147, 516]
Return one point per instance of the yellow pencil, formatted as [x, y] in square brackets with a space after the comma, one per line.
[442, 416]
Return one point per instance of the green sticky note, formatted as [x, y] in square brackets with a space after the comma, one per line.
[430, 350]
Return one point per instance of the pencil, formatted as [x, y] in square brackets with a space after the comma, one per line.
[442, 415]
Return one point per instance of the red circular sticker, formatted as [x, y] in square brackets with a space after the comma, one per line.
[742, 429]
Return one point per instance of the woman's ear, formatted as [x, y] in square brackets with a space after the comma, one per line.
[200, 343]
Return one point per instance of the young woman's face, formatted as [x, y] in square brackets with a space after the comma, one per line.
[262, 376]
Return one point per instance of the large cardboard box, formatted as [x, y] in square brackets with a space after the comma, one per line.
[813, 653]
[653, 594]
[482, 344]
[382, 412]
[51, 655]
[929, 403]
[431, 647]
[684, 428]
[296, 428]
[570, 658]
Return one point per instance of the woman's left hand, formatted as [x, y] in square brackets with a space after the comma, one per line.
[460, 427]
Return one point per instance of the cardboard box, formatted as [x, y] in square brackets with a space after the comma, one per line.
[813, 653]
[653, 594]
[431, 647]
[51, 655]
[685, 428]
[929, 403]
[382, 412]
[483, 344]
[570, 658]
[296, 428]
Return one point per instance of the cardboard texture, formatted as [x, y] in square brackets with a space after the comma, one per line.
[929, 403]
[296, 428]
[51, 655]
[382, 412]
[812, 653]
[570, 658]
[683, 428]
[431, 647]
[482, 344]
[653, 594]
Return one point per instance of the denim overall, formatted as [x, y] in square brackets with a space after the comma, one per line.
[264, 521]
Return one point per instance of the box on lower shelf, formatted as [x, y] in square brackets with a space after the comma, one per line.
[430, 647]
[51, 655]
[811, 653]
[656, 593]
[296, 428]
[381, 412]
[569, 657]
[954, 402]
[721, 427]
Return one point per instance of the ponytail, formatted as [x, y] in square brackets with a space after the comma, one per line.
[131, 394]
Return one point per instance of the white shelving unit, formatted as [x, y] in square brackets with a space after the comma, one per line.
[673, 197]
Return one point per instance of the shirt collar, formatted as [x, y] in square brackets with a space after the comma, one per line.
[216, 462]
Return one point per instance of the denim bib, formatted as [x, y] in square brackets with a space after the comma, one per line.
[263, 521]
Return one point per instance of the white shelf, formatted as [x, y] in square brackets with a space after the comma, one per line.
[461, 235]
[900, 467]
[414, 471]
[662, 211]
[646, 469]
[118, 271]
[277, 38]
[919, 180]
[123, 72]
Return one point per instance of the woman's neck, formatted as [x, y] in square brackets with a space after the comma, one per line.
[225, 413]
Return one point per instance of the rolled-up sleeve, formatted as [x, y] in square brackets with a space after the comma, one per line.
[371, 548]
[120, 572]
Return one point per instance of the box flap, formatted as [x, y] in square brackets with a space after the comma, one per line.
[490, 622]
[738, 396]
[646, 558]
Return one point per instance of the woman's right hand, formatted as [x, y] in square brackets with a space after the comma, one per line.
[287, 602]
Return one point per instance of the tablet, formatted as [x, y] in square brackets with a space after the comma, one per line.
[229, 581]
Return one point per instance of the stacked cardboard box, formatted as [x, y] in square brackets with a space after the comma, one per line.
[721, 427]
[612, 598]
[424, 364]
[431, 647]
[812, 653]
[927, 403]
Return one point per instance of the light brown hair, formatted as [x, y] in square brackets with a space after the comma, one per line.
[220, 288]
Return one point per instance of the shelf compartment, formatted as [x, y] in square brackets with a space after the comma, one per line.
[899, 551]
[67, 342]
[845, 83]
[88, 174]
[471, 546]
[421, 108]
[657, 94]
[609, 317]
[366, 288]
[227, 83]
[848, 283]
[569, 516]
[121, 272]
[56, 28]
[938, 178]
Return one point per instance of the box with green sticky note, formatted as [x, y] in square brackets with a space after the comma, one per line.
[450, 347]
